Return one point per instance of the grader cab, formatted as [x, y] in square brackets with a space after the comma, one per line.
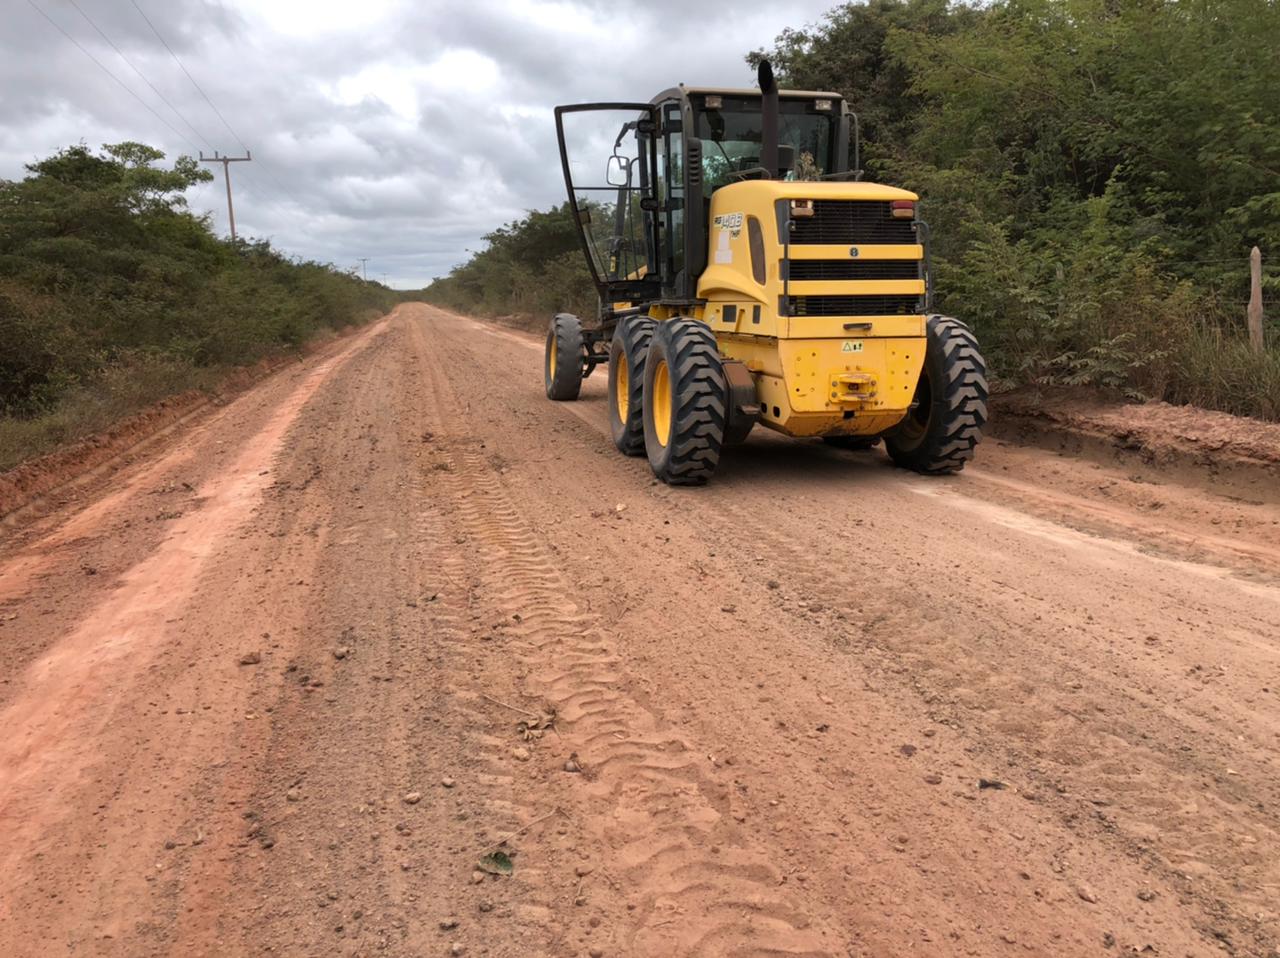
[748, 275]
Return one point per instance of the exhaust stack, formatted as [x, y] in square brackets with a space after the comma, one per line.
[768, 118]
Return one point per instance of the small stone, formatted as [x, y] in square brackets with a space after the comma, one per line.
[620, 507]
[596, 952]
[477, 877]
[447, 782]
[728, 608]
[341, 652]
[521, 754]
[412, 798]
[293, 795]
[933, 779]
[486, 905]
[1086, 894]
[582, 871]
[456, 948]
[251, 658]
[773, 584]
[448, 924]
[1146, 894]
[907, 750]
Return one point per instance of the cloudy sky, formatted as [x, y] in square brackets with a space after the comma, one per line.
[395, 130]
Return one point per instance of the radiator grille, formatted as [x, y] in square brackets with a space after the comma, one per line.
[855, 306]
[852, 222]
[834, 269]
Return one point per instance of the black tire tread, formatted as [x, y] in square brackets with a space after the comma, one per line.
[699, 410]
[963, 406]
[565, 336]
[636, 334]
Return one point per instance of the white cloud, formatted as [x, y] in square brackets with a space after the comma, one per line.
[392, 129]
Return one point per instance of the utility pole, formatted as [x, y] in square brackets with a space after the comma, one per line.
[1254, 312]
[226, 175]
[363, 271]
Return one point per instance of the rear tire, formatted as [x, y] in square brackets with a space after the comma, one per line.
[938, 436]
[627, 354]
[684, 403]
[562, 364]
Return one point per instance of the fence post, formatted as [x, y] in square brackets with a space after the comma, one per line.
[1255, 300]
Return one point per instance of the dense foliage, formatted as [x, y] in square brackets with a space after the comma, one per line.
[532, 266]
[112, 294]
[1094, 173]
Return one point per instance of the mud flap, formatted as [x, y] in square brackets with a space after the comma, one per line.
[743, 405]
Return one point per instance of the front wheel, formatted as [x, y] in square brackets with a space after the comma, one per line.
[684, 403]
[562, 365]
[945, 423]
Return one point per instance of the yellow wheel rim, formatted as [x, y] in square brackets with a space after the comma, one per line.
[551, 356]
[622, 391]
[662, 403]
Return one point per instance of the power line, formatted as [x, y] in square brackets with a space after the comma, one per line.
[128, 89]
[199, 89]
[120, 53]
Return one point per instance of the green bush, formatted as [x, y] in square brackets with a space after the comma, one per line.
[113, 295]
[531, 267]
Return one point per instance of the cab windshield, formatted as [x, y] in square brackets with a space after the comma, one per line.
[731, 135]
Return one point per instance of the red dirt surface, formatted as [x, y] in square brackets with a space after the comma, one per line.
[261, 690]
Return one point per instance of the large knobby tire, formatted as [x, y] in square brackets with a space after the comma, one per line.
[563, 362]
[684, 403]
[939, 434]
[627, 353]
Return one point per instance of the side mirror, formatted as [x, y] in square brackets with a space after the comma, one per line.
[618, 171]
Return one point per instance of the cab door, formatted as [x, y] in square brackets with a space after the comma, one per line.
[609, 155]
[671, 178]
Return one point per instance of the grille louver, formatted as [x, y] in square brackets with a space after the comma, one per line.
[852, 222]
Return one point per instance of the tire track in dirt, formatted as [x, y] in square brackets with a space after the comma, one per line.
[1065, 660]
[339, 858]
[697, 883]
[952, 670]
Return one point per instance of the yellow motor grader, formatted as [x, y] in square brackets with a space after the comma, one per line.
[747, 274]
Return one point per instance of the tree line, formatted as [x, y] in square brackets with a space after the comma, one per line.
[114, 295]
[1094, 173]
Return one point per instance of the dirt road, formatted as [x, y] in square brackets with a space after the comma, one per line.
[260, 692]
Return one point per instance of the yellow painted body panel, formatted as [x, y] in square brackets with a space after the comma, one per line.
[813, 375]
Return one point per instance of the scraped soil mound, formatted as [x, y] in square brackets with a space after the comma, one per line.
[1211, 450]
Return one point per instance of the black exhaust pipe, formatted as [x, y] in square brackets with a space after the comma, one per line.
[768, 118]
